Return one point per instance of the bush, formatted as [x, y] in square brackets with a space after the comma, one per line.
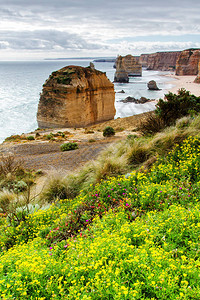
[152, 124]
[177, 106]
[68, 146]
[50, 136]
[108, 131]
[58, 187]
[9, 164]
[30, 138]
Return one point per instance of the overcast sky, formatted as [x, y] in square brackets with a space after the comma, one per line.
[34, 29]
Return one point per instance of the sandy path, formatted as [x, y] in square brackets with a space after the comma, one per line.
[47, 156]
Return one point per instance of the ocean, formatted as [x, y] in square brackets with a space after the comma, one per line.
[21, 84]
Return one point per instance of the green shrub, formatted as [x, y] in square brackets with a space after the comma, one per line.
[30, 138]
[108, 131]
[177, 106]
[173, 107]
[50, 136]
[68, 146]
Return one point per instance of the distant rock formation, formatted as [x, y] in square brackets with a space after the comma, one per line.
[162, 61]
[130, 65]
[197, 79]
[76, 97]
[121, 75]
[187, 63]
[152, 85]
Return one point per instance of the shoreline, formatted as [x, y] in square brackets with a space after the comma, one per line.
[186, 82]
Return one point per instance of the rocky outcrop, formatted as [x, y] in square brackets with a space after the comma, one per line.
[127, 64]
[76, 97]
[142, 100]
[197, 79]
[162, 61]
[187, 63]
[152, 85]
[120, 75]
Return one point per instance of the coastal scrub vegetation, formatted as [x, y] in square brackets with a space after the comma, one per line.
[108, 131]
[133, 236]
[169, 110]
[68, 146]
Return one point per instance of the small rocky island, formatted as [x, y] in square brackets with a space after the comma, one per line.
[75, 96]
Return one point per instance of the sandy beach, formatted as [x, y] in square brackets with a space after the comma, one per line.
[186, 82]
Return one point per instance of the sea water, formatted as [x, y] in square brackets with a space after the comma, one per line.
[21, 84]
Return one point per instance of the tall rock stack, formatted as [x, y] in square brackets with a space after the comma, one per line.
[120, 75]
[76, 97]
[187, 63]
[197, 79]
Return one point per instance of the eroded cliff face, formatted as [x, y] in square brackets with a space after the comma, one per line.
[197, 79]
[187, 63]
[127, 66]
[163, 61]
[76, 97]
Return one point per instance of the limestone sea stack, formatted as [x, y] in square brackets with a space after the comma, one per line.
[76, 97]
[187, 63]
[120, 75]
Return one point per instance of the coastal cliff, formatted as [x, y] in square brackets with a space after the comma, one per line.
[76, 97]
[162, 61]
[197, 79]
[187, 63]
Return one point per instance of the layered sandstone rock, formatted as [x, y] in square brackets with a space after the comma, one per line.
[121, 75]
[197, 79]
[127, 66]
[187, 63]
[162, 61]
[132, 65]
[76, 97]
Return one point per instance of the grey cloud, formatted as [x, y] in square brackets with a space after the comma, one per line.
[45, 40]
[89, 24]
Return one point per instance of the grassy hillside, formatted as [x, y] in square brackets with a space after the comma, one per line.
[134, 236]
